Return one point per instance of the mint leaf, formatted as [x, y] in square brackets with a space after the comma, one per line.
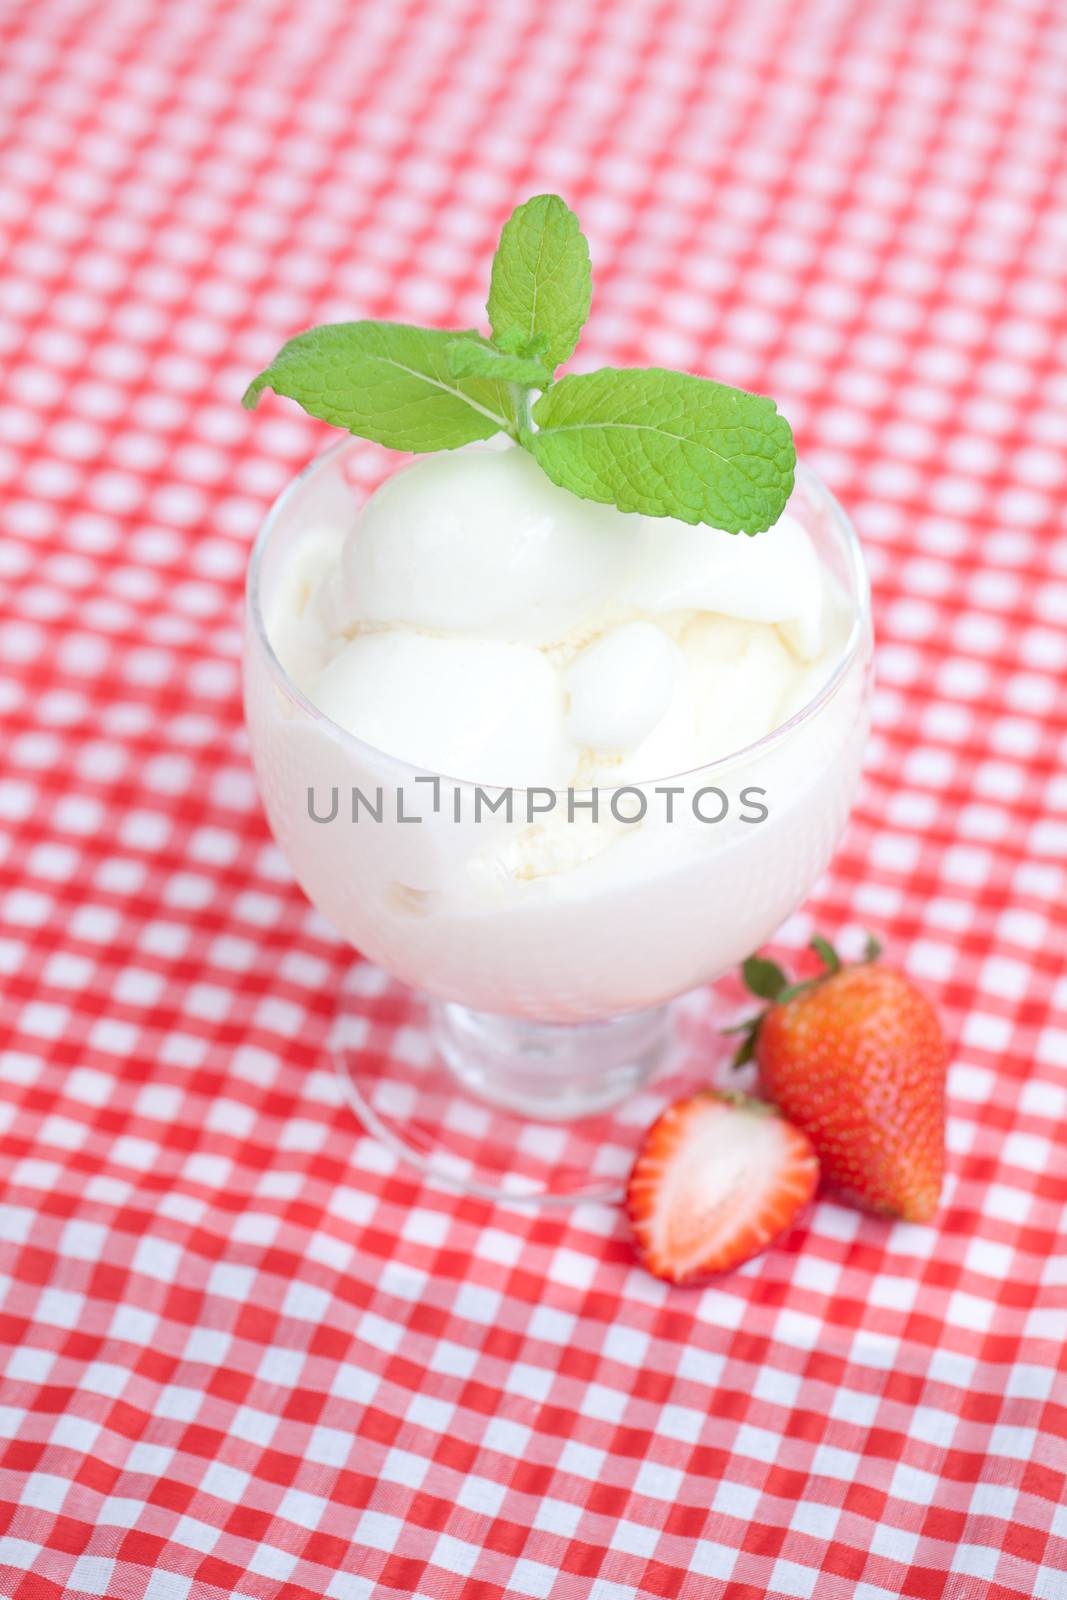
[667, 444]
[388, 382]
[468, 357]
[515, 343]
[540, 282]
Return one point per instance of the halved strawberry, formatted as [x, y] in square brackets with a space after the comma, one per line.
[717, 1178]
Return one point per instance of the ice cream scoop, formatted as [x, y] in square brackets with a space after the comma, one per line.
[772, 577]
[481, 542]
[479, 709]
[620, 685]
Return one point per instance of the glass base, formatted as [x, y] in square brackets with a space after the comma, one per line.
[519, 1112]
[549, 1072]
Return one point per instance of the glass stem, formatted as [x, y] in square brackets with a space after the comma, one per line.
[552, 1072]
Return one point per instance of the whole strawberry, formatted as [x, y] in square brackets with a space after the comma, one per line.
[856, 1058]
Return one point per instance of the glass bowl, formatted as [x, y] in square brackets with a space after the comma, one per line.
[510, 1024]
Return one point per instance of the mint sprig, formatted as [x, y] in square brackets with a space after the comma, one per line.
[667, 444]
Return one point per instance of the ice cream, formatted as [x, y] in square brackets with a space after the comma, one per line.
[452, 704]
[620, 687]
[480, 622]
[479, 542]
[471, 620]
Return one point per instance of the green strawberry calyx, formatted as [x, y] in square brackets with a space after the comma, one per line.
[768, 981]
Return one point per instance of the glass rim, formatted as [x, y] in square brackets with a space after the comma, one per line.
[858, 632]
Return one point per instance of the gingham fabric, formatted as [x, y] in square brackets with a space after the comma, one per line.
[246, 1354]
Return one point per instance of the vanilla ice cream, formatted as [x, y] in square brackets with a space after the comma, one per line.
[480, 622]
[452, 704]
[473, 620]
[479, 542]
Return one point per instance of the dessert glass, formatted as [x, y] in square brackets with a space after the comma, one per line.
[546, 949]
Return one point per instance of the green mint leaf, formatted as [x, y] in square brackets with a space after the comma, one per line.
[474, 357]
[512, 341]
[540, 285]
[667, 444]
[763, 978]
[387, 382]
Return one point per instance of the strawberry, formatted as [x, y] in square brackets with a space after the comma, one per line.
[717, 1178]
[856, 1057]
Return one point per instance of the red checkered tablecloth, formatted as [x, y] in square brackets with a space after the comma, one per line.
[244, 1353]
